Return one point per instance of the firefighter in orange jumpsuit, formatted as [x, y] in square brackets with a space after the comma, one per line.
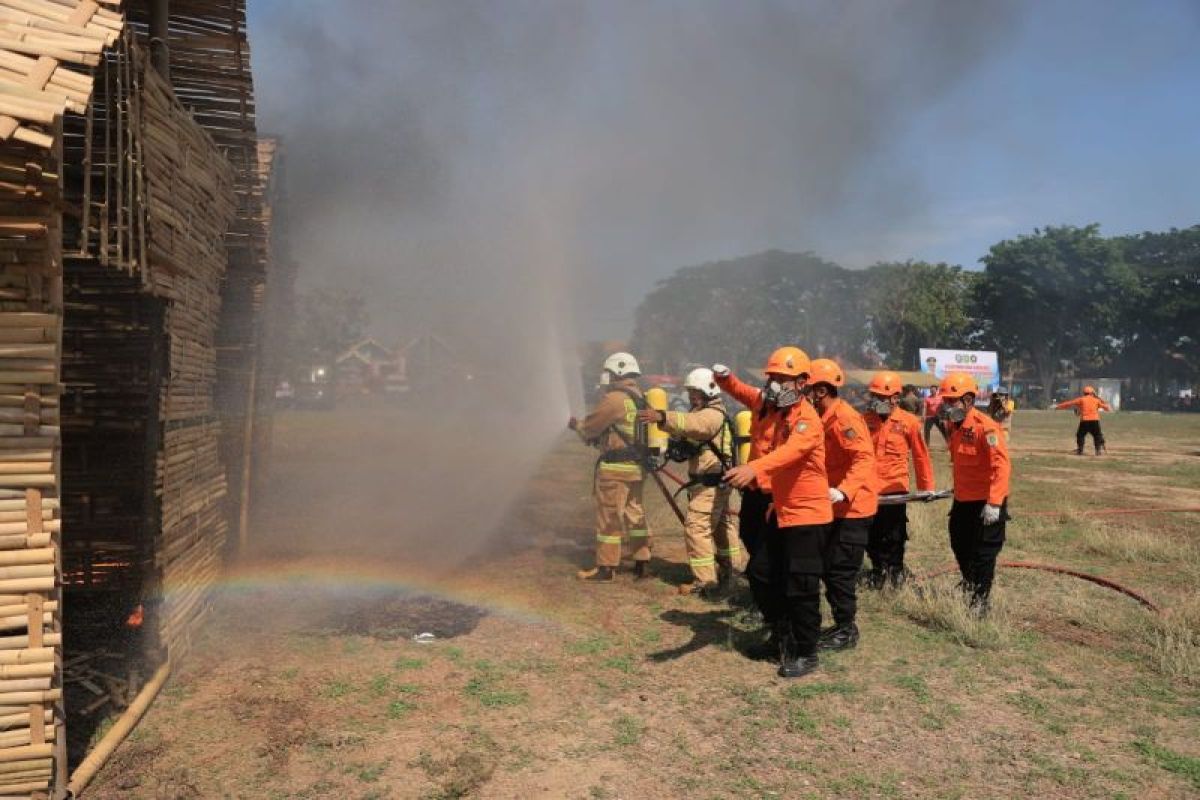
[979, 457]
[781, 367]
[785, 571]
[612, 427]
[1088, 408]
[854, 493]
[897, 437]
[704, 437]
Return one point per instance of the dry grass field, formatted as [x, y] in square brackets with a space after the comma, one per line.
[307, 683]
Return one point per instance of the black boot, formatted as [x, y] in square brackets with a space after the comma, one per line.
[641, 569]
[1079, 450]
[597, 575]
[766, 650]
[843, 637]
[792, 663]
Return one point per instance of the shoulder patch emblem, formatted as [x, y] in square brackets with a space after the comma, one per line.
[850, 434]
[993, 439]
[801, 426]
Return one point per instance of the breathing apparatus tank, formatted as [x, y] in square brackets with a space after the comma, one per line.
[741, 435]
[656, 437]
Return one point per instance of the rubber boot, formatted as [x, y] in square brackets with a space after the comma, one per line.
[843, 637]
[791, 663]
[597, 575]
[641, 570]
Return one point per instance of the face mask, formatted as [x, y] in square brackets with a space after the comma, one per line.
[779, 395]
[881, 407]
[953, 414]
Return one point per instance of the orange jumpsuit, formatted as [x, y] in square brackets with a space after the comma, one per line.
[897, 439]
[1088, 408]
[979, 457]
[752, 519]
[850, 462]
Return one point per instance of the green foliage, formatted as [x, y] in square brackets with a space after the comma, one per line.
[1054, 295]
[917, 304]
[1186, 766]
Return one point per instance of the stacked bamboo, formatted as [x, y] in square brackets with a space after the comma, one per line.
[30, 527]
[37, 37]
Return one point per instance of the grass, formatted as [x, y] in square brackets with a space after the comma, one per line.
[627, 730]
[939, 605]
[1185, 766]
[1174, 639]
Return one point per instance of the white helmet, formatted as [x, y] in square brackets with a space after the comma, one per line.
[622, 365]
[701, 379]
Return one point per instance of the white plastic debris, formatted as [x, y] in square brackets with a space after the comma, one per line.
[424, 638]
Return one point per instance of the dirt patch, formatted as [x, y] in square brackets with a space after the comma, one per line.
[403, 616]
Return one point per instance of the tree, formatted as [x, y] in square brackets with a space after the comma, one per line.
[916, 304]
[1161, 325]
[1056, 295]
[327, 322]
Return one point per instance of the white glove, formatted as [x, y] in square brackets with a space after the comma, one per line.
[720, 370]
[835, 495]
[991, 514]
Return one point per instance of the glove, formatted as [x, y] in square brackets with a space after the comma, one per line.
[836, 496]
[927, 495]
[720, 370]
[991, 514]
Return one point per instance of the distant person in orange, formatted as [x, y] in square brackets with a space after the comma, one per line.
[1088, 407]
[854, 492]
[897, 438]
[981, 467]
[933, 404]
[785, 572]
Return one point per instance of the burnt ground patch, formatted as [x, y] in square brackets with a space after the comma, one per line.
[401, 616]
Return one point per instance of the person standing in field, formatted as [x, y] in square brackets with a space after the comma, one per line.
[933, 404]
[1001, 409]
[613, 428]
[1088, 407]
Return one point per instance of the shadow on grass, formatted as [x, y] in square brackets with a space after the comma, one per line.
[708, 628]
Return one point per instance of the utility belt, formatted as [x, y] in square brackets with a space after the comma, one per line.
[709, 480]
[633, 453]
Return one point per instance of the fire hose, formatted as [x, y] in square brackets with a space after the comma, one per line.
[1030, 565]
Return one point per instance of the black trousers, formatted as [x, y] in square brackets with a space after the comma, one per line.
[843, 560]
[785, 577]
[933, 422]
[752, 519]
[886, 540]
[1092, 427]
[976, 546]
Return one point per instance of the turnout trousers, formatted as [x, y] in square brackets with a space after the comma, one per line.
[1090, 427]
[785, 577]
[752, 520]
[885, 544]
[843, 559]
[620, 516]
[710, 533]
[976, 546]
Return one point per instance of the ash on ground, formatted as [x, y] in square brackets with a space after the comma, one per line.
[403, 616]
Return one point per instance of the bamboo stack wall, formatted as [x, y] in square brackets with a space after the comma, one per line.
[42, 44]
[210, 72]
[139, 142]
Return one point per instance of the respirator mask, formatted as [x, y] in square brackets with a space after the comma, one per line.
[880, 407]
[955, 414]
[779, 395]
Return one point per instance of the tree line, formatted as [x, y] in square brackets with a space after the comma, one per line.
[1057, 301]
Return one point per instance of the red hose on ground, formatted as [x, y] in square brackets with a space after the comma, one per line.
[1096, 579]
[1097, 511]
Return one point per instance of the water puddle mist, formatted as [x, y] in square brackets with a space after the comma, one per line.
[403, 616]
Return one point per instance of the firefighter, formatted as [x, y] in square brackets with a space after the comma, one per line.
[979, 457]
[897, 437]
[785, 571]
[753, 521]
[854, 493]
[1001, 408]
[613, 428]
[1088, 407]
[704, 437]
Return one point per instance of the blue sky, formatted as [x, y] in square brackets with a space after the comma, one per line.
[629, 139]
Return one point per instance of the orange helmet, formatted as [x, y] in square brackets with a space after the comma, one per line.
[1089, 390]
[956, 384]
[789, 361]
[885, 383]
[826, 370]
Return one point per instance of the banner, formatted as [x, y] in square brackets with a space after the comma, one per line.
[982, 365]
